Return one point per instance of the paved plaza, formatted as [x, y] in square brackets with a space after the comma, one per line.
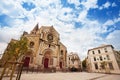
[67, 76]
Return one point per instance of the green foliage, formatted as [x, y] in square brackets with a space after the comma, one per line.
[17, 48]
[103, 65]
[84, 63]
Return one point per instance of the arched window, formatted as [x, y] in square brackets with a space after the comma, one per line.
[101, 58]
[94, 59]
[61, 52]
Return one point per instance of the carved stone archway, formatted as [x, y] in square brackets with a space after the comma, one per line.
[28, 58]
[47, 58]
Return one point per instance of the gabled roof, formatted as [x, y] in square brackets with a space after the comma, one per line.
[36, 27]
[51, 28]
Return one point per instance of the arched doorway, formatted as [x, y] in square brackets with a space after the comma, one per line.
[47, 58]
[26, 62]
[61, 65]
[46, 62]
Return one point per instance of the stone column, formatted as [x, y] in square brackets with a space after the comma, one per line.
[58, 58]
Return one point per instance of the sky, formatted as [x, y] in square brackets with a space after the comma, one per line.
[82, 24]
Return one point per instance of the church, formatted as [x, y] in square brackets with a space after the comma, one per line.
[46, 50]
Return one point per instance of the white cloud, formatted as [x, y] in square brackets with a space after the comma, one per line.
[51, 12]
[90, 4]
[82, 16]
[3, 46]
[114, 4]
[106, 5]
[109, 22]
[114, 39]
[75, 2]
[119, 13]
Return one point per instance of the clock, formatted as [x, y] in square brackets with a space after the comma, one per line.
[50, 37]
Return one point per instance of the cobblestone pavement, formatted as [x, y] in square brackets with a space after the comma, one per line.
[67, 76]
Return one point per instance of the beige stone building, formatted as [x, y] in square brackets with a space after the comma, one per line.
[117, 56]
[102, 59]
[0, 56]
[73, 62]
[45, 49]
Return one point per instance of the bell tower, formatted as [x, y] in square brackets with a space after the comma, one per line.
[35, 29]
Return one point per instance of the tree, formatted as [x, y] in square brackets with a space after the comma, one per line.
[104, 66]
[84, 64]
[15, 50]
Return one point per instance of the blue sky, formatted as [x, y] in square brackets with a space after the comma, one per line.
[82, 24]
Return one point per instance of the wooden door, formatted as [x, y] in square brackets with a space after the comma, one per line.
[26, 62]
[60, 64]
[46, 62]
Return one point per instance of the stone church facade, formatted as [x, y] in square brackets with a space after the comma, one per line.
[45, 49]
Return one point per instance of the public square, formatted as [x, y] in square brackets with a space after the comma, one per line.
[67, 76]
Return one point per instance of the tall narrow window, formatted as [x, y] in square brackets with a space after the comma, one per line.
[105, 50]
[96, 66]
[94, 59]
[98, 51]
[101, 58]
[93, 52]
[110, 66]
[108, 57]
[69, 58]
[49, 45]
[61, 52]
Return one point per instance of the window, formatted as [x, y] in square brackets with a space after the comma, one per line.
[110, 66]
[93, 52]
[31, 44]
[105, 50]
[108, 58]
[98, 51]
[49, 45]
[97, 58]
[96, 66]
[61, 52]
[101, 58]
[104, 58]
[94, 59]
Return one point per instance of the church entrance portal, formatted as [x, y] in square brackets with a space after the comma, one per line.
[46, 61]
[60, 64]
[26, 62]
[47, 58]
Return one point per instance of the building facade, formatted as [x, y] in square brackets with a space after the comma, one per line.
[45, 49]
[117, 56]
[73, 62]
[0, 56]
[102, 59]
